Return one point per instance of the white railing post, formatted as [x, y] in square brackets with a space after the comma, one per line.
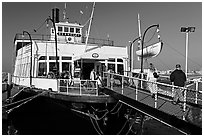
[67, 87]
[96, 88]
[155, 99]
[196, 100]
[111, 80]
[58, 85]
[136, 88]
[184, 104]
[80, 87]
[173, 92]
[141, 80]
[122, 84]
[108, 80]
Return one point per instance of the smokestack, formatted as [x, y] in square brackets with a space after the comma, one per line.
[55, 15]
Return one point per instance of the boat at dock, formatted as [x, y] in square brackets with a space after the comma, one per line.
[55, 69]
[66, 82]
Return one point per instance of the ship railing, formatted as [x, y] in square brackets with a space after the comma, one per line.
[139, 88]
[102, 42]
[78, 87]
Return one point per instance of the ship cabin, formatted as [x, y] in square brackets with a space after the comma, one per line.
[41, 57]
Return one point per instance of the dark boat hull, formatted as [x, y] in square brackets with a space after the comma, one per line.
[51, 115]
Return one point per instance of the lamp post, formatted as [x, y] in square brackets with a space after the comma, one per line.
[187, 30]
[30, 57]
[157, 25]
[57, 69]
[131, 54]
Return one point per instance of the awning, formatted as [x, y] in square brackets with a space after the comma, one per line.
[96, 54]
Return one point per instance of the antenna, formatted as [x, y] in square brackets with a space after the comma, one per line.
[90, 25]
[64, 12]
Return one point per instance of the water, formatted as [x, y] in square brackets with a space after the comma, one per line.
[44, 116]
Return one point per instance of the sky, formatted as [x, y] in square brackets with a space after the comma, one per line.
[118, 20]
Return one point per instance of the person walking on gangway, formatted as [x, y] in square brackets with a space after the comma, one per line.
[152, 77]
[178, 78]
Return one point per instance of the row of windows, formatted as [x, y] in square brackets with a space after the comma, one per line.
[70, 58]
[113, 60]
[54, 58]
[42, 68]
[68, 29]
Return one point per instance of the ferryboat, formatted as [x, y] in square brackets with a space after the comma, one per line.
[57, 67]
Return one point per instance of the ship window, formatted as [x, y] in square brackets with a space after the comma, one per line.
[52, 66]
[53, 58]
[111, 67]
[66, 58]
[119, 60]
[42, 70]
[66, 66]
[111, 60]
[120, 69]
[77, 30]
[43, 58]
[71, 29]
[59, 28]
[66, 29]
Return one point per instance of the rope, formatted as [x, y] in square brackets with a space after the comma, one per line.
[99, 132]
[40, 26]
[96, 117]
[117, 110]
[8, 111]
[122, 127]
[16, 102]
[18, 92]
[182, 54]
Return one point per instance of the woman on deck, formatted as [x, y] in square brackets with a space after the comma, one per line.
[151, 77]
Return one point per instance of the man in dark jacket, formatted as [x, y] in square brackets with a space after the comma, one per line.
[178, 78]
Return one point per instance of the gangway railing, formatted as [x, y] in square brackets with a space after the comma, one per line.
[190, 109]
[78, 87]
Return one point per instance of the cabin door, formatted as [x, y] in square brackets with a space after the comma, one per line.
[87, 67]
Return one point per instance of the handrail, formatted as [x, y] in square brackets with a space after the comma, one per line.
[135, 88]
[46, 37]
[164, 84]
[78, 87]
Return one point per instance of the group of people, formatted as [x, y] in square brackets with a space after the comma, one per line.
[177, 78]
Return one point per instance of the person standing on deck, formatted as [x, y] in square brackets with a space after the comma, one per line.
[93, 77]
[151, 77]
[178, 78]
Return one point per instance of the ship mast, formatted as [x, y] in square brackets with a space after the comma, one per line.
[140, 35]
[90, 25]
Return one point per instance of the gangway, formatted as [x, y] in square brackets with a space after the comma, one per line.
[185, 116]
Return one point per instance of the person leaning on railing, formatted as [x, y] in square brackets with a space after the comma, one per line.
[178, 78]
